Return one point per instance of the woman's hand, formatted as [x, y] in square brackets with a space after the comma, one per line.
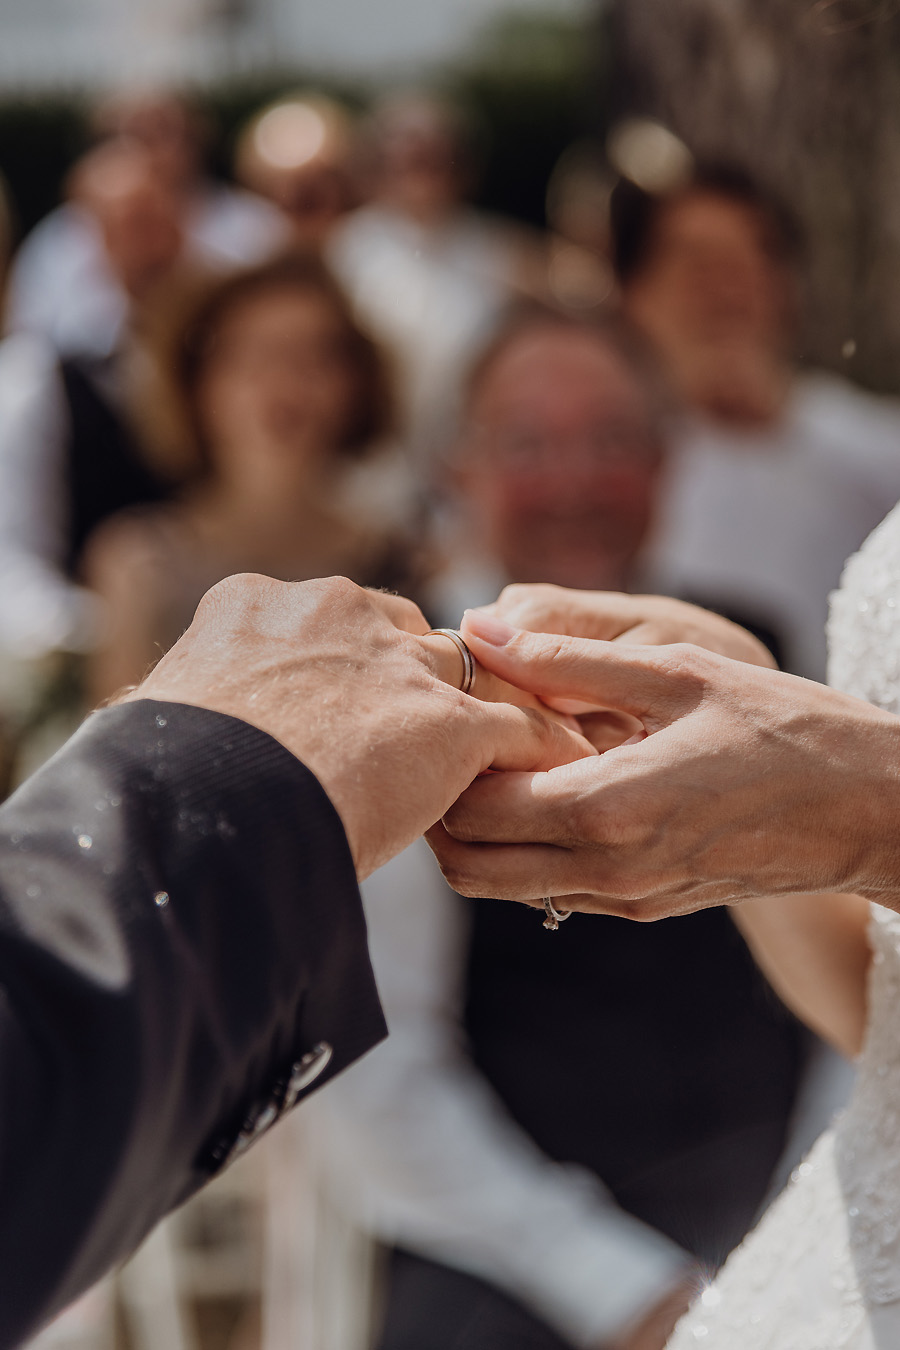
[648, 620]
[611, 616]
[749, 782]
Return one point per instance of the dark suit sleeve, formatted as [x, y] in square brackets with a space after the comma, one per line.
[182, 948]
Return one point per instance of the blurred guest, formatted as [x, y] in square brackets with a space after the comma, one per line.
[778, 476]
[62, 285]
[561, 1128]
[282, 393]
[296, 153]
[70, 453]
[428, 274]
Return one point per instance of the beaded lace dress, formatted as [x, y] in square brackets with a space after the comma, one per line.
[821, 1271]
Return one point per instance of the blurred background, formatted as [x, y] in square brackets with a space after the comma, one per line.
[445, 295]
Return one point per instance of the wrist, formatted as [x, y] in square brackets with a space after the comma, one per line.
[866, 816]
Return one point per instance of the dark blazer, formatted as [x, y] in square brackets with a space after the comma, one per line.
[182, 953]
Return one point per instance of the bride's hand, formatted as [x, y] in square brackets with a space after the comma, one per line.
[647, 620]
[612, 616]
[749, 782]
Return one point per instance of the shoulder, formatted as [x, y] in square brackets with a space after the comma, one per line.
[848, 419]
[66, 229]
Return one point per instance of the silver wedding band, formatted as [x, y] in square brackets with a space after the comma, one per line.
[468, 659]
[554, 916]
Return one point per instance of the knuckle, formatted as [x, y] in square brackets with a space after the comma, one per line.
[553, 649]
[237, 593]
[459, 823]
[341, 588]
[451, 858]
[526, 600]
[691, 665]
[514, 594]
[631, 907]
[462, 881]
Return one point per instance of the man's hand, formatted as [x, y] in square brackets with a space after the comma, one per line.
[345, 679]
[749, 782]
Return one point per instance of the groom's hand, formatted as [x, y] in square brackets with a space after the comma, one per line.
[749, 782]
[347, 680]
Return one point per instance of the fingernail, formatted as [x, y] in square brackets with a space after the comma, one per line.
[486, 627]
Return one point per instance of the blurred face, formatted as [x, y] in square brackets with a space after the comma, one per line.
[276, 386]
[422, 168]
[710, 276]
[138, 215]
[559, 464]
[314, 197]
[165, 130]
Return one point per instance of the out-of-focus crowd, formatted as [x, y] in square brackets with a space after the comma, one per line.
[340, 366]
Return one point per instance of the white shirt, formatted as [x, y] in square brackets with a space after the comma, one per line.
[61, 287]
[764, 520]
[40, 609]
[431, 294]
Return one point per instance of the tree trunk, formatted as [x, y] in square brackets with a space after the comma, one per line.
[804, 94]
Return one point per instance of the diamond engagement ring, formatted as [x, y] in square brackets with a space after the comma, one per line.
[554, 916]
[468, 659]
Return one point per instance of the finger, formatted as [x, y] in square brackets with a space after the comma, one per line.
[651, 684]
[511, 740]
[531, 807]
[445, 661]
[606, 730]
[542, 608]
[497, 871]
[524, 873]
[593, 884]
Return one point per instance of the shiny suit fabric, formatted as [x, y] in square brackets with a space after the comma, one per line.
[182, 956]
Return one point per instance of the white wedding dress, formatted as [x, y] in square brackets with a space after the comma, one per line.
[821, 1271]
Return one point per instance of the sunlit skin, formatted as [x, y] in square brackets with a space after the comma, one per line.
[719, 305]
[559, 465]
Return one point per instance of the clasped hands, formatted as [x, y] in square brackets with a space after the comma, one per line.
[623, 754]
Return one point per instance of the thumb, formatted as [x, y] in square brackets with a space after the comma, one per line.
[642, 681]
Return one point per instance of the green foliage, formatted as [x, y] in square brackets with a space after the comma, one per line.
[534, 82]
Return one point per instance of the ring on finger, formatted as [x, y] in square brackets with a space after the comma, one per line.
[554, 916]
[468, 659]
